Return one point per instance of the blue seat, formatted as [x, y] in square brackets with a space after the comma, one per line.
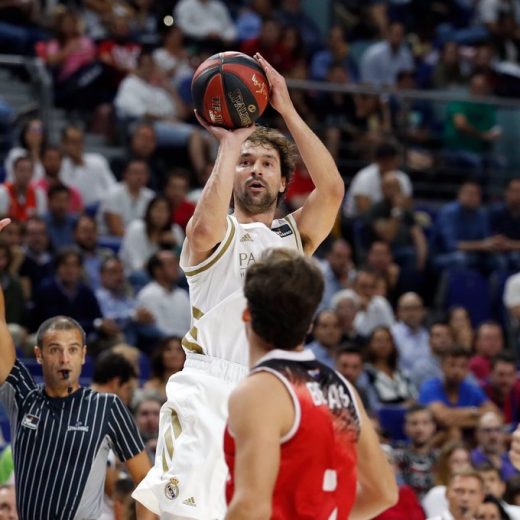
[35, 369]
[391, 419]
[469, 289]
[144, 367]
[4, 426]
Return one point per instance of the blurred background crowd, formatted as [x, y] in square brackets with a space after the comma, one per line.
[102, 163]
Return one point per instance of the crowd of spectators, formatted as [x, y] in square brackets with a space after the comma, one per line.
[421, 310]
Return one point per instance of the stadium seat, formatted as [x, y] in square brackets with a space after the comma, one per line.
[469, 289]
[391, 419]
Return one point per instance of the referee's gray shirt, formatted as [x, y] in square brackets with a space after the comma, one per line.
[60, 447]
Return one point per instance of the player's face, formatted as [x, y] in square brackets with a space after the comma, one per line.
[258, 179]
[420, 427]
[8, 504]
[61, 356]
[464, 495]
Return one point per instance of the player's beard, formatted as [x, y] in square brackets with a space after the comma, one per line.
[256, 205]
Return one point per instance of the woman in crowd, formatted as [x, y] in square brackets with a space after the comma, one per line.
[461, 327]
[388, 385]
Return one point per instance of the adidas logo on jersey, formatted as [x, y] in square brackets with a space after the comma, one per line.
[190, 502]
[246, 238]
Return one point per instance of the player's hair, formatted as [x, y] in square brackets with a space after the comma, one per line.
[59, 323]
[110, 365]
[286, 149]
[283, 290]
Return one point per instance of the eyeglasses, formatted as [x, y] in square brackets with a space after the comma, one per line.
[496, 429]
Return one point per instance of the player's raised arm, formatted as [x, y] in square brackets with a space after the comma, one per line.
[377, 485]
[7, 349]
[316, 218]
[207, 226]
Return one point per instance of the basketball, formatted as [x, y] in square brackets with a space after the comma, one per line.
[230, 89]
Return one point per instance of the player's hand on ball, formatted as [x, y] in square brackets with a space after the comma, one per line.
[221, 133]
[514, 452]
[280, 98]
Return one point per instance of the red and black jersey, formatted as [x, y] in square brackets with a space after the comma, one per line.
[317, 475]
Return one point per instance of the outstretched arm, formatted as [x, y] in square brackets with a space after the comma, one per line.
[207, 226]
[317, 216]
[7, 349]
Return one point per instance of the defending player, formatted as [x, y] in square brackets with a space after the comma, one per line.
[298, 440]
[253, 168]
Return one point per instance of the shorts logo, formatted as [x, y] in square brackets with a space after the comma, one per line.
[171, 490]
[190, 502]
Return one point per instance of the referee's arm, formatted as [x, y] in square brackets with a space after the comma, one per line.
[138, 467]
[7, 349]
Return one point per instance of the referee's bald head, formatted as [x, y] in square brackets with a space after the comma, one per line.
[59, 323]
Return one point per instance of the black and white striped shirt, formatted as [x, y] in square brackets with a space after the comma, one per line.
[60, 447]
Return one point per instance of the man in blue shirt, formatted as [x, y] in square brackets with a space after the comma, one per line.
[463, 234]
[456, 402]
[327, 336]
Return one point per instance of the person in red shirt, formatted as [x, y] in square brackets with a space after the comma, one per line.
[489, 341]
[176, 190]
[298, 443]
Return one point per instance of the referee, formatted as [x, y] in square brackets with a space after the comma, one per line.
[62, 432]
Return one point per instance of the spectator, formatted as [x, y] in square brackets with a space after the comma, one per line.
[37, 262]
[391, 221]
[51, 162]
[503, 387]
[144, 237]
[491, 508]
[126, 201]
[447, 72]
[167, 359]
[338, 269]
[19, 199]
[456, 403]
[122, 315]
[410, 335]
[60, 223]
[206, 22]
[119, 52]
[490, 445]
[89, 173]
[250, 16]
[453, 457]
[32, 144]
[146, 415]
[71, 56]
[382, 61]
[142, 96]
[505, 223]
[86, 240]
[168, 304]
[440, 340]
[337, 52]
[374, 310]
[489, 341]
[387, 384]
[512, 494]
[416, 460]
[495, 487]
[176, 190]
[471, 130]
[465, 493]
[349, 363]
[463, 234]
[326, 332]
[66, 293]
[345, 304]
[8, 503]
[380, 260]
[365, 188]
[172, 58]
[461, 327]
[145, 21]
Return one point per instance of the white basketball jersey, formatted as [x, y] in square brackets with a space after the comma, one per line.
[216, 286]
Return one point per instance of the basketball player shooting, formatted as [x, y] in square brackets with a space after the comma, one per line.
[253, 168]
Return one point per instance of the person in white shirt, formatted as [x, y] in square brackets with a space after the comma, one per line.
[148, 94]
[410, 336]
[382, 61]
[465, 493]
[168, 304]
[204, 20]
[126, 201]
[365, 188]
[89, 173]
[374, 311]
